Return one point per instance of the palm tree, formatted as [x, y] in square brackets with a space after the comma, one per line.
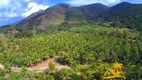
[52, 68]
[65, 74]
[89, 75]
[24, 71]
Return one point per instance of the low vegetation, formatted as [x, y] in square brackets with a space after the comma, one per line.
[88, 49]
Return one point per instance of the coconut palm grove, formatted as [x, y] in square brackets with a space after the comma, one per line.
[90, 42]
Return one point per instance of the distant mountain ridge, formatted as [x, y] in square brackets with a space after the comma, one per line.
[122, 15]
[61, 13]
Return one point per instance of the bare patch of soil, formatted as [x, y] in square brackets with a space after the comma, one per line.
[45, 64]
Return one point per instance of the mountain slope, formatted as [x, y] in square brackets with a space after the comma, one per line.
[52, 15]
[61, 13]
[124, 14]
[86, 12]
[121, 15]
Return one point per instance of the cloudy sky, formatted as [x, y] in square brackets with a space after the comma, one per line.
[12, 11]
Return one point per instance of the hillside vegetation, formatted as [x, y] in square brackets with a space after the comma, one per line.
[89, 48]
[124, 15]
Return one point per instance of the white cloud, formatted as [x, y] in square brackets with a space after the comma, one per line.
[14, 7]
[112, 1]
[27, 0]
[32, 4]
[11, 15]
[4, 3]
[8, 15]
[83, 2]
[32, 8]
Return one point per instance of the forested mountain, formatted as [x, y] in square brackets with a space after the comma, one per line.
[124, 15]
[86, 12]
[121, 15]
[61, 13]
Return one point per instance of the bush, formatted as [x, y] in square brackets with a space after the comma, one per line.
[3, 41]
[25, 33]
[97, 75]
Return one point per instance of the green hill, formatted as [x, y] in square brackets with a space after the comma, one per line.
[86, 12]
[124, 15]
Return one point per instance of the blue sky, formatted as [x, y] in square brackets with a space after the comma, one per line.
[12, 11]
